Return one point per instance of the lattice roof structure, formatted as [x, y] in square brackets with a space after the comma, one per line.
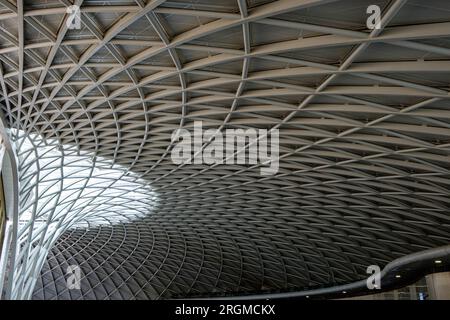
[364, 128]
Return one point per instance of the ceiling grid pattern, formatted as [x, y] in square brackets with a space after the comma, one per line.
[364, 127]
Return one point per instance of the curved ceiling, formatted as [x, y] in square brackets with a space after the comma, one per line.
[363, 117]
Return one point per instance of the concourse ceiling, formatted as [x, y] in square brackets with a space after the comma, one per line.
[364, 132]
